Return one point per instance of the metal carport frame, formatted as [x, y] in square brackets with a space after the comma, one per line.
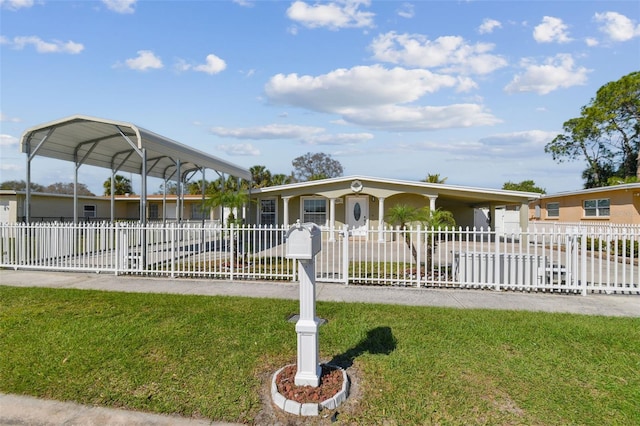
[120, 147]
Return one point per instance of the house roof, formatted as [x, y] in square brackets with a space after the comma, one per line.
[623, 187]
[381, 186]
[117, 145]
[131, 197]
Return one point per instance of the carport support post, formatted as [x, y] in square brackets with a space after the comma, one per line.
[309, 370]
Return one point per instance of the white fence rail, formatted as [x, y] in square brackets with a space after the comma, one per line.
[574, 260]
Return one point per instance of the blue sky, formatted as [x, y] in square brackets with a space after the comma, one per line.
[471, 90]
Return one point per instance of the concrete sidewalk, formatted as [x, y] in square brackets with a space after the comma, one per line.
[592, 304]
[28, 411]
[21, 410]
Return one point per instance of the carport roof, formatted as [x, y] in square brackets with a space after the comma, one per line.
[117, 145]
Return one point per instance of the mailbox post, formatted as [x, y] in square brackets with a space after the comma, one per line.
[303, 243]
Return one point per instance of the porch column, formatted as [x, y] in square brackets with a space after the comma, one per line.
[285, 215]
[332, 218]
[432, 202]
[380, 219]
[524, 222]
[178, 191]
[492, 217]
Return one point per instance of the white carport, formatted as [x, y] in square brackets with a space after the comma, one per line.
[120, 147]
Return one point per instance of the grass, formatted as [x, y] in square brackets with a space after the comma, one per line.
[209, 356]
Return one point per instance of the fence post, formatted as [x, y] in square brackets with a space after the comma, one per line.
[118, 254]
[232, 249]
[496, 261]
[418, 254]
[582, 279]
[345, 254]
[174, 238]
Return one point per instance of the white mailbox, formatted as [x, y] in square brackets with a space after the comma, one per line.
[304, 241]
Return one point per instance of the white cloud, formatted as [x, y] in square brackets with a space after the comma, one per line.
[42, 46]
[338, 139]
[551, 30]
[517, 145]
[270, 131]
[357, 87]
[10, 167]
[244, 3]
[370, 96]
[591, 42]
[15, 4]
[406, 11]
[213, 65]
[120, 6]
[145, 60]
[406, 119]
[333, 15]
[305, 134]
[181, 65]
[5, 118]
[450, 53]
[239, 149]
[488, 25]
[555, 73]
[8, 140]
[617, 27]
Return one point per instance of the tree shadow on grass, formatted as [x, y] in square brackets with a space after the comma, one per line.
[379, 340]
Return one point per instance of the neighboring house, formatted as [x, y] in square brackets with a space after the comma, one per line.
[59, 207]
[618, 204]
[362, 202]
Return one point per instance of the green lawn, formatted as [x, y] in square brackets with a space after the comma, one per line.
[209, 357]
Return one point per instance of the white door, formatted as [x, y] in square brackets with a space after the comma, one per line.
[4, 212]
[357, 211]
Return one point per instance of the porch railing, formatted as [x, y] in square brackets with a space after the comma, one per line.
[575, 260]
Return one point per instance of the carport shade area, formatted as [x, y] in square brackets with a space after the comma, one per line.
[120, 147]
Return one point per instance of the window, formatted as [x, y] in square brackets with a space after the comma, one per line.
[553, 209]
[268, 212]
[314, 210]
[89, 211]
[198, 211]
[596, 208]
[153, 211]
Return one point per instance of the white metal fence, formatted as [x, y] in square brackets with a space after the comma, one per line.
[574, 260]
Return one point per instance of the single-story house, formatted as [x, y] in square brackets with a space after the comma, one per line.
[609, 204]
[59, 207]
[358, 201]
[362, 202]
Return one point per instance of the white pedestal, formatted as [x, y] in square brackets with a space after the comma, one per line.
[309, 371]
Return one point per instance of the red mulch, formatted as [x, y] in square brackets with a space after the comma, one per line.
[330, 384]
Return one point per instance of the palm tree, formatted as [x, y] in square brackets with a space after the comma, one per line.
[122, 186]
[403, 215]
[434, 178]
[281, 179]
[228, 198]
[260, 176]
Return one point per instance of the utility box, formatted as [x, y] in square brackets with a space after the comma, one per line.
[304, 241]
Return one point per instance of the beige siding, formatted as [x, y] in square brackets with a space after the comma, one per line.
[624, 207]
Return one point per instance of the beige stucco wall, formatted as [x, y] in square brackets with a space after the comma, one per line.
[47, 207]
[624, 207]
[464, 215]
